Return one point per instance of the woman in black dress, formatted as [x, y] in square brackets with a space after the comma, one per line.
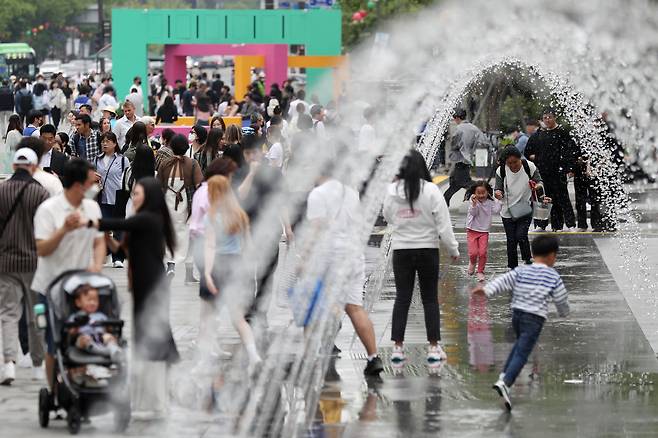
[147, 235]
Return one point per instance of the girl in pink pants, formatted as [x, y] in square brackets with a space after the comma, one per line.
[481, 207]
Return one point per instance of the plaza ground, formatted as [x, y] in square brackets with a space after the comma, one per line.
[592, 374]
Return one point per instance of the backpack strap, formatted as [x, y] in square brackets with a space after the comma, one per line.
[526, 167]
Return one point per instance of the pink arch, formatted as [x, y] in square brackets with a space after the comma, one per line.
[276, 58]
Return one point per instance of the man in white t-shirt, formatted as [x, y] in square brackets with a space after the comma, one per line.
[49, 181]
[317, 113]
[334, 213]
[367, 138]
[64, 239]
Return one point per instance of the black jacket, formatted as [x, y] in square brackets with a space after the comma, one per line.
[554, 151]
[57, 162]
[6, 99]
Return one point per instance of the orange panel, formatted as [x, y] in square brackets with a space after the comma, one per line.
[243, 66]
[315, 61]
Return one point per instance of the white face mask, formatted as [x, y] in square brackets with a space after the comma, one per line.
[92, 191]
[191, 137]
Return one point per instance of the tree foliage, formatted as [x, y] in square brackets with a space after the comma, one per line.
[382, 10]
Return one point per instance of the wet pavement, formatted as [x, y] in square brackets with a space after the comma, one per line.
[592, 374]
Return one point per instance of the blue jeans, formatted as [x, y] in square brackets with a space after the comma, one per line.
[527, 328]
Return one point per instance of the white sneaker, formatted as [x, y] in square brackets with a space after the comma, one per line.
[9, 374]
[582, 230]
[25, 362]
[480, 276]
[398, 357]
[435, 353]
[38, 373]
[572, 229]
[117, 264]
[503, 392]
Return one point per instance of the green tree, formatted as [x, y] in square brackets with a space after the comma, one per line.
[380, 11]
[18, 18]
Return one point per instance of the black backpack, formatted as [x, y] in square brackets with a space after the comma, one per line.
[25, 102]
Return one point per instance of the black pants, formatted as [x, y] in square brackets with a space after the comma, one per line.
[516, 232]
[460, 178]
[406, 263]
[56, 114]
[584, 195]
[109, 211]
[264, 277]
[555, 186]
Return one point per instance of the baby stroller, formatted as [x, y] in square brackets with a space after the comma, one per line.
[79, 400]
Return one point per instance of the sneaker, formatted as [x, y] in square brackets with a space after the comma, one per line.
[374, 367]
[503, 392]
[572, 229]
[582, 230]
[25, 361]
[398, 357]
[171, 269]
[471, 268]
[480, 276]
[117, 264]
[435, 354]
[9, 374]
[38, 373]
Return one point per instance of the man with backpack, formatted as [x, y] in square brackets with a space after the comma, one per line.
[19, 198]
[23, 100]
[464, 141]
[6, 107]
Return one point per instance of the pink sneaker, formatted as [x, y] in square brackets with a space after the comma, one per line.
[471, 268]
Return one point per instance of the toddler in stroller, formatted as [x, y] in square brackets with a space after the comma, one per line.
[91, 336]
[85, 329]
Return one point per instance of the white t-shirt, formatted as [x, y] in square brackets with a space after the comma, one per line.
[516, 187]
[275, 155]
[76, 249]
[318, 127]
[339, 206]
[367, 142]
[49, 182]
[45, 159]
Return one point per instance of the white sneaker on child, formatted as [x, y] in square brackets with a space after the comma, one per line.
[435, 354]
[397, 357]
[503, 392]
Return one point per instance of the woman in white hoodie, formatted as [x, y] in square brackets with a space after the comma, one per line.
[417, 212]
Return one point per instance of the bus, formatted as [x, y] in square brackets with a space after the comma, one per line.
[17, 59]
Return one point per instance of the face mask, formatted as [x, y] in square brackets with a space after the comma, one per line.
[92, 191]
[191, 137]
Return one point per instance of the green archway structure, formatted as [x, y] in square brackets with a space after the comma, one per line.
[318, 30]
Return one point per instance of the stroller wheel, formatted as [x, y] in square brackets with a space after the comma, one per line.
[121, 417]
[73, 419]
[44, 407]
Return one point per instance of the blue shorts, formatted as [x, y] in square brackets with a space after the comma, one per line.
[50, 343]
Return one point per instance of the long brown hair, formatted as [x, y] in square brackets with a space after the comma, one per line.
[223, 199]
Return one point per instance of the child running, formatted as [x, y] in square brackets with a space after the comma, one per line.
[532, 286]
[482, 206]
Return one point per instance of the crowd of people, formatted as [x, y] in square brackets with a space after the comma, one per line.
[109, 188]
[96, 188]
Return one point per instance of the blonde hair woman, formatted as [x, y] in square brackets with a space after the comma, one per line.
[227, 230]
[233, 135]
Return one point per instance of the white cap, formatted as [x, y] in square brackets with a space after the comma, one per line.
[25, 156]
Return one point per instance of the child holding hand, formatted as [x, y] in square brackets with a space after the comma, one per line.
[481, 208]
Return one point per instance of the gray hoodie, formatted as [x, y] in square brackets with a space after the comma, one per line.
[426, 226]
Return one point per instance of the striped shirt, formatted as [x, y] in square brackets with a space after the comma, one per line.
[532, 287]
[18, 252]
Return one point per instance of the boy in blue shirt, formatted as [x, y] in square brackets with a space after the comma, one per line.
[532, 287]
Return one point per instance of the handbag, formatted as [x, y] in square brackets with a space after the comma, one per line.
[520, 209]
[123, 194]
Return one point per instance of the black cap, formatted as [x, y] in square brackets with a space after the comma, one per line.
[460, 113]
